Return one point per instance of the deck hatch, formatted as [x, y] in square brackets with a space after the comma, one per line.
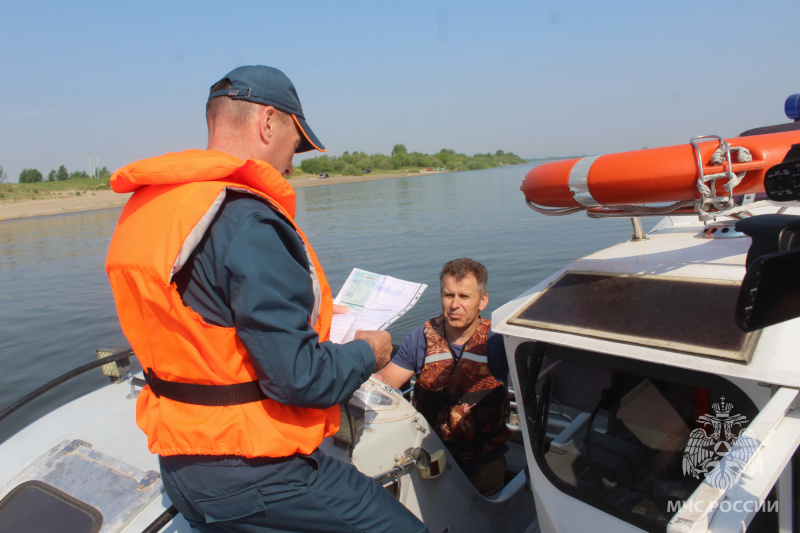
[680, 314]
[36, 506]
[79, 474]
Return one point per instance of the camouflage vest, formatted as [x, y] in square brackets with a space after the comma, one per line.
[459, 397]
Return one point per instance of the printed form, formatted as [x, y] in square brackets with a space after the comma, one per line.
[375, 301]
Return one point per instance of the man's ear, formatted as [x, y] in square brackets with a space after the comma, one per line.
[266, 123]
[484, 301]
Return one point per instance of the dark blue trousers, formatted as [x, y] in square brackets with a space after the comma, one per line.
[300, 493]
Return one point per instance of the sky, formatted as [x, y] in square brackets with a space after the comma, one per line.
[128, 80]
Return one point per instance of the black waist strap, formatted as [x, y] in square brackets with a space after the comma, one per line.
[197, 394]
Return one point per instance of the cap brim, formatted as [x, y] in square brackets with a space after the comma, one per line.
[309, 141]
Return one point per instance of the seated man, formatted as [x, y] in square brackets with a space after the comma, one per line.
[461, 372]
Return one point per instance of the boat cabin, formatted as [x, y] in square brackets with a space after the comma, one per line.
[643, 406]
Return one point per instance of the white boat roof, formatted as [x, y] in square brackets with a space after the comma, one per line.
[672, 252]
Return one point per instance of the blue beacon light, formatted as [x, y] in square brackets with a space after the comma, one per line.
[792, 107]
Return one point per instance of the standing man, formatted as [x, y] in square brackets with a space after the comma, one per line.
[228, 310]
[462, 369]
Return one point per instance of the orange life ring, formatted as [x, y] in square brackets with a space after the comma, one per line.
[653, 175]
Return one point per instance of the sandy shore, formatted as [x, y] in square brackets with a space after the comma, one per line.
[69, 202]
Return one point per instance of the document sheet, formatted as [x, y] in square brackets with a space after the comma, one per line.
[375, 301]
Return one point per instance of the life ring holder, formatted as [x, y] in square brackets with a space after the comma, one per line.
[708, 199]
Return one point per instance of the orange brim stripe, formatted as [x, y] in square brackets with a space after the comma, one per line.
[306, 135]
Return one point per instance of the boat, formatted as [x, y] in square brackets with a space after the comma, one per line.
[654, 390]
[657, 380]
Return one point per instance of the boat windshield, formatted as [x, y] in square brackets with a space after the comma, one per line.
[631, 438]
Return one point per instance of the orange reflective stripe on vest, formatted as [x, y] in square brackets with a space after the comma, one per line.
[176, 197]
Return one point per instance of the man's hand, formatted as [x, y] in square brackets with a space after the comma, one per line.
[381, 344]
[340, 309]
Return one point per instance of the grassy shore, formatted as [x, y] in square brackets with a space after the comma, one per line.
[20, 200]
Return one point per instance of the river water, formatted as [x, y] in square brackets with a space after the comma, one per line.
[56, 306]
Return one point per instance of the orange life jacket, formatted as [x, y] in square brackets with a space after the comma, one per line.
[176, 197]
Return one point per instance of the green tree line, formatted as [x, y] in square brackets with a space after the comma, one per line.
[349, 164]
[355, 163]
[32, 175]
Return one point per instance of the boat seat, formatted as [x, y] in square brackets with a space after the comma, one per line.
[558, 445]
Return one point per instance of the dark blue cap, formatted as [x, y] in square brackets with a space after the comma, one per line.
[270, 86]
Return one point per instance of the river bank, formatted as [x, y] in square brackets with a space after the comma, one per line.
[70, 201]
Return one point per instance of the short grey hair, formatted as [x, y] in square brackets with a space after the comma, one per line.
[461, 268]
